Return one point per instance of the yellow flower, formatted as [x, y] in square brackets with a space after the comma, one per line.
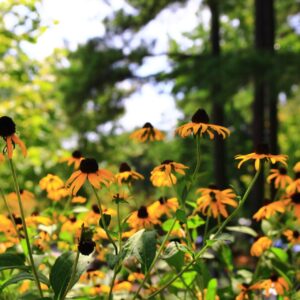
[280, 177]
[200, 125]
[134, 276]
[292, 236]
[58, 194]
[78, 199]
[7, 132]
[126, 175]
[269, 210]
[162, 174]
[75, 159]
[261, 153]
[90, 171]
[51, 182]
[27, 198]
[213, 200]
[147, 133]
[163, 206]
[294, 186]
[244, 293]
[142, 218]
[274, 283]
[122, 286]
[297, 167]
[295, 203]
[260, 245]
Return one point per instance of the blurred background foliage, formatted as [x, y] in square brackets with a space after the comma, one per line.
[76, 97]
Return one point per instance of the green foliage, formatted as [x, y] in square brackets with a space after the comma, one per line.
[62, 269]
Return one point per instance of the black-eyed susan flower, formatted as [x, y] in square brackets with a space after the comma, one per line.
[162, 174]
[296, 168]
[261, 154]
[78, 199]
[51, 182]
[275, 282]
[213, 201]
[260, 246]
[8, 133]
[75, 159]
[270, 209]
[200, 125]
[295, 204]
[294, 186]
[147, 133]
[164, 206]
[27, 198]
[293, 236]
[142, 218]
[90, 171]
[56, 195]
[280, 177]
[126, 175]
[245, 290]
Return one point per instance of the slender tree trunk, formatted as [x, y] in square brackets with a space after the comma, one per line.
[264, 100]
[217, 106]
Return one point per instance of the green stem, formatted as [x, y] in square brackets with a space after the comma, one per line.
[72, 278]
[198, 158]
[215, 235]
[17, 189]
[147, 275]
[206, 226]
[103, 221]
[113, 282]
[119, 226]
[240, 205]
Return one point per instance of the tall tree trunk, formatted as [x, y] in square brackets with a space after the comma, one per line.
[263, 89]
[217, 106]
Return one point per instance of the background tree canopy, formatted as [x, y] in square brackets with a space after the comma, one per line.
[242, 66]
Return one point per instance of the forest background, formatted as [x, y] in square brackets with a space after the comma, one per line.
[242, 66]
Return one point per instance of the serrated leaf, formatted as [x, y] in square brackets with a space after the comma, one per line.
[194, 222]
[242, 229]
[212, 289]
[142, 245]
[24, 276]
[166, 226]
[61, 271]
[12, 261]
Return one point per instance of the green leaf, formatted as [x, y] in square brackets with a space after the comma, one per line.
[166, 226]
[12, 261]
[24, 276]
[191, 204]
[242, 229]
[187, 277]
[226, 256]
[106, 218]
[174, 255]
[181, 216]
[61, 271]
[142, 245]
[279, 253]
[212, 289]
[194, 222]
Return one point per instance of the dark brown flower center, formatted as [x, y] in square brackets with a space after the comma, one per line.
[96, 209]
[76, 154]
[296, 234]
[143, 213]
[7, 126]
[267, 201]
[262, 149]
[86, 247]
[213, 187]
[274, 277]
[167, 162]
[282, 171]
[162, 200]
[297, 175]
[148, 125]
[296, 198]
[124, 167]
[72, 219]
[89, 165]
[245, 285]
[200, 116]
[213, 196]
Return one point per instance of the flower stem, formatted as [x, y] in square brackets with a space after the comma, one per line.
[198, 156]
[119, 226]
[17, 189]
[147, 275]
[104, 223]
[73, 274]
[215, 235]
[241, 203]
